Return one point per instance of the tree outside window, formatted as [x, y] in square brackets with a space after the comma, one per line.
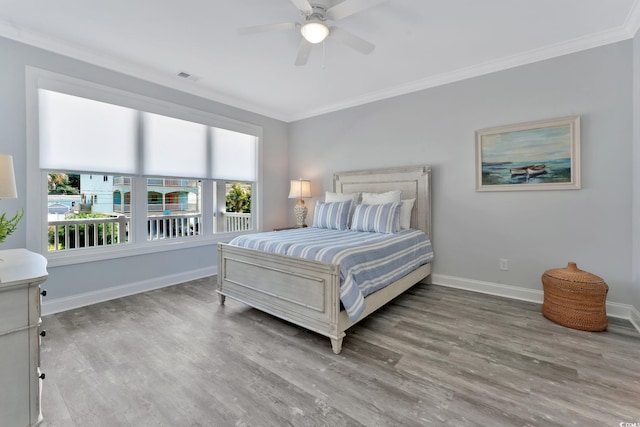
[239, 198]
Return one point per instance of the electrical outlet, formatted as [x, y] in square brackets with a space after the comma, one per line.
[504, 264]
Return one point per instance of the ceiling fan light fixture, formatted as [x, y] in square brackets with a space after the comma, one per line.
[314, 31]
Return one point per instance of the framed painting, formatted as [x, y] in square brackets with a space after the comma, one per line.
[542, 155]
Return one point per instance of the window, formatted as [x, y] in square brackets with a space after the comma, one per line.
[236, 208]
[78, 218]
[198, 171]
[173, 208]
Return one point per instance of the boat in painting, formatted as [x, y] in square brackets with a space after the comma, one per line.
[536, 170]
[519, 171]
[529, 170]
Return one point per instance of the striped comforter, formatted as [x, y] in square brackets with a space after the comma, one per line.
[368, 261]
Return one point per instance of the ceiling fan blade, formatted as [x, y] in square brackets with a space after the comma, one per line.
[350, 40]
[349, 7]
[303, 52]
[267, 27]
[302, 5]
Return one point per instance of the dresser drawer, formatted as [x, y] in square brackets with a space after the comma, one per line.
[14, 306]
[15, 377]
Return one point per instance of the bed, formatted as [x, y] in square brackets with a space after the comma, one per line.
[307, 292]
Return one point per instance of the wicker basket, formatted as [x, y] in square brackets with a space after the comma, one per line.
[575, 298]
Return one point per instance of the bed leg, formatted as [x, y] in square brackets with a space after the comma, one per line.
[221, 298]
[336, 345]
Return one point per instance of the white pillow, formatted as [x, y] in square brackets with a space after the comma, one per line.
[330, 197]
[381, 198]
[405, 213]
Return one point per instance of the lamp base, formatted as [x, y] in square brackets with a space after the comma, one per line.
[300, 210]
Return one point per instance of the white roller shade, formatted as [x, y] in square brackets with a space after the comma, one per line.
[233, 155]
[85, 135]
[174, 147]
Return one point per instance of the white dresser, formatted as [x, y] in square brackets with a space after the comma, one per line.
[21, 273]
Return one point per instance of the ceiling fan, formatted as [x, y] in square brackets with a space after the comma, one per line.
[314, 28]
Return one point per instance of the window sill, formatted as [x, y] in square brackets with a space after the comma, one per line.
[79, 256]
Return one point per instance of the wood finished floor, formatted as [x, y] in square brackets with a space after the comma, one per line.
[433, 356]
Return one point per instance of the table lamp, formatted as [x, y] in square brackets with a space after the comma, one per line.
[300, 189]
[8, 190]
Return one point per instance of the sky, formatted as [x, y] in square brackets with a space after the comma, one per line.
[531, 145]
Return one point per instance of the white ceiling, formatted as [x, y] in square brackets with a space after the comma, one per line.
[419, 44]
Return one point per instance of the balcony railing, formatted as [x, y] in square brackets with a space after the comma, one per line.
[172, 182]
[237, 221]
[94, 232]
[122, 181]
[172, 226]
[157, 207]
[180, 207]
[125, 181]
[87, 232]
[122, 208]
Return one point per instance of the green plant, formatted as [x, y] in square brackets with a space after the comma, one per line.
[62, 183]
[239, 199]
[8, 226]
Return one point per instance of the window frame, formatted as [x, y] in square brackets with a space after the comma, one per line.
[36, 217]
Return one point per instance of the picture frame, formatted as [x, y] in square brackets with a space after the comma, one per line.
[540, 155]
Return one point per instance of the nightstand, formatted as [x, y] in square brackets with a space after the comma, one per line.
[287, 228]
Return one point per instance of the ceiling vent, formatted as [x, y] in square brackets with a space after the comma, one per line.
[186, 76]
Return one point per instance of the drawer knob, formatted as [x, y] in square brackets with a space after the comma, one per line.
[43, 333]
[43, 292]
[41, 376]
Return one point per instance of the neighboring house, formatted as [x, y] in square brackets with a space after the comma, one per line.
[58, 209]
[97, 192]
[112, 194]
[60, 204]
[164, 197]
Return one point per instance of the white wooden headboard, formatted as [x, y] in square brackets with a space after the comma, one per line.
[413, 181]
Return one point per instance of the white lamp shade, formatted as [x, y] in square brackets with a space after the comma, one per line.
[300, 188]
[314, 31]
[7, 177]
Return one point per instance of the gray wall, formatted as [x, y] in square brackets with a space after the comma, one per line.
[635, 260]
[535, 230]
[81, 278]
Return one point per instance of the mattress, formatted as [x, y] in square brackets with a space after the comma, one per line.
[367, 261]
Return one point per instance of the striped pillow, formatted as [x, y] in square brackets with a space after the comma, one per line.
[331, 215]
[377, 218]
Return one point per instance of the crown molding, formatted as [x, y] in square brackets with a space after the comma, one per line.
[505, 63]
[75, 51]
[632, 23]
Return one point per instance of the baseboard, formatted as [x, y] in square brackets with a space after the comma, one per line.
[614, 309]
[497, 289]
[58, 305]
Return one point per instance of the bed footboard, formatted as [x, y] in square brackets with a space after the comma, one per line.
[300, 291]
